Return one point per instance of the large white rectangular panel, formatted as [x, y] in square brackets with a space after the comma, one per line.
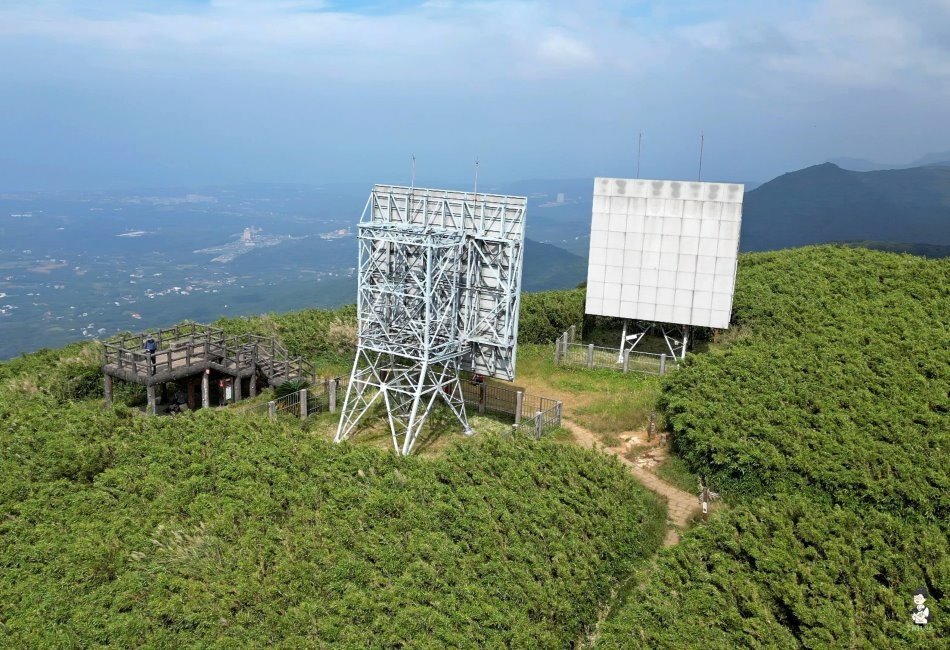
[664, 250]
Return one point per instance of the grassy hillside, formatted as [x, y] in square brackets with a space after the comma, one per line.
[821, 416]
[839, 387]
[209, 530]
[824, 422]
[785, 572]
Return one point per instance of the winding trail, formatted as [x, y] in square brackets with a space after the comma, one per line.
[681, 506]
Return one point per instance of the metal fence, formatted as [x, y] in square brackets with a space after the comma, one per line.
[580, 355]
[320, 397]
[528, 412]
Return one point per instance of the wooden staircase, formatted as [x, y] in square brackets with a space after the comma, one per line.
[275, 362]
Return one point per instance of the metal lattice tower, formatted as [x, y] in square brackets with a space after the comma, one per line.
[438, 292]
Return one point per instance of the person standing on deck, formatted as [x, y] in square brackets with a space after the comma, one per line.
[150, 349]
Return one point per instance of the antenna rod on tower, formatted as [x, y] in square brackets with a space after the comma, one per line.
[639, 145]
[412, 163]
[702, 142]
[476, 178]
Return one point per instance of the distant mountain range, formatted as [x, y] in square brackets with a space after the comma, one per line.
[864, 165]
[826, 203]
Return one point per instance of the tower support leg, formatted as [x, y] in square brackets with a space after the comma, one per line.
[408, 388]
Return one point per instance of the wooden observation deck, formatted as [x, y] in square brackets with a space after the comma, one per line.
[191, 350]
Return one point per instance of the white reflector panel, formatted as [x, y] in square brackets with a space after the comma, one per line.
[664, 250]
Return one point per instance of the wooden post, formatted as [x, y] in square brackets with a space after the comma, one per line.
[564, 347]
[626, 360]
[107, 385]
[272, 409]
[537, 425]
[557, 412]
[238, 389]
[150, 392]
[590, 355]
[519, 405]
[652, 430]
[662, 364]
[557, 351]
[252, 388]
[331, 395]
[205, 389]
[303, 403]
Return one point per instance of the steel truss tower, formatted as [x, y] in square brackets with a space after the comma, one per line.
[438, 292]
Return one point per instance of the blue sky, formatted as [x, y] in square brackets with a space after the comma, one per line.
[140, 93]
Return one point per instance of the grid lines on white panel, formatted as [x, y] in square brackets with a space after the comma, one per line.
[664, 250]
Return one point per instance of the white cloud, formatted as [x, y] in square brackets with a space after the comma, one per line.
[563, 50]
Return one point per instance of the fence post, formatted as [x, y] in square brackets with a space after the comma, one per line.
[557, 412]
[662, 364]
[590, 355]
[573, 333]
[564, 344]
[482, 398]
[272, 409]
[537, 425]
[107, 389]
[519, 404]
[303, 403]
[557, 351]
[626, 360]
[331, 395]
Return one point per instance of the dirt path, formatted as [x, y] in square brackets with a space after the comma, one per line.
[681, 506]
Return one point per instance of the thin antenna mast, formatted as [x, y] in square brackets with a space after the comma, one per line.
[639, 146]
[702, 142]
[412, 163]
[476, 178]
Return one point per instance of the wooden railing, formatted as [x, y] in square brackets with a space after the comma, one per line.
[190, 343]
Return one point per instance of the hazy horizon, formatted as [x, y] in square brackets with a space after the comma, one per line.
[194, 92]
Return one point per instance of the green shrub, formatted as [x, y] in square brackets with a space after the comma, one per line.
[210, 530]
[788, 573]
[839, 389]
[290, 386]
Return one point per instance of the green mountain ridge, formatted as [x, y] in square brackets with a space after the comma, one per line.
[826, 203]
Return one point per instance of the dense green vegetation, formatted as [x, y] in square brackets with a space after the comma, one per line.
[209, 529]
[839, 387]
[788, 573]
[824, 421]
[821, 416]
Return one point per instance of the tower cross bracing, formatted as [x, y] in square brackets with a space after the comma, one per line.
[438, 292]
